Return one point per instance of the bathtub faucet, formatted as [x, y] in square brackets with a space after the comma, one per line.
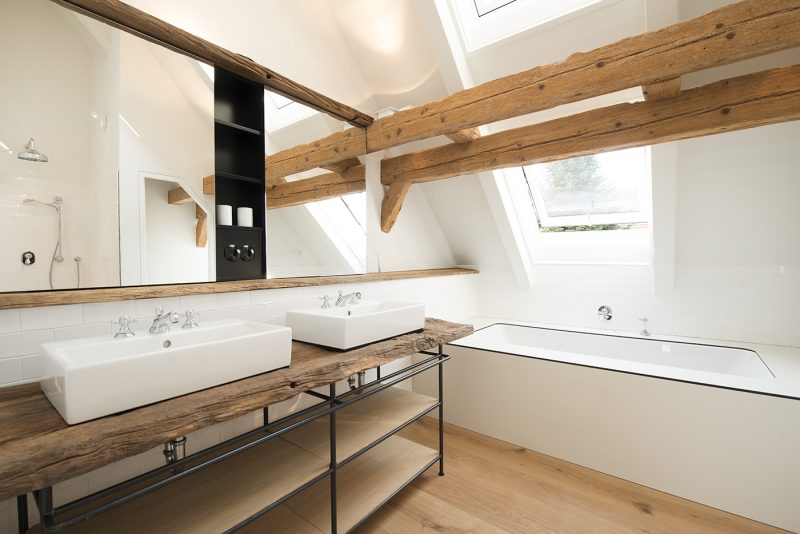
[604, 313]
[644, 331]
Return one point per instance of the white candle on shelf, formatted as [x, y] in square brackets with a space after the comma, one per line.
[244, 217]
[224, 214]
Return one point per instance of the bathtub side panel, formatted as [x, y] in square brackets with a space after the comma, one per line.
[730, 450]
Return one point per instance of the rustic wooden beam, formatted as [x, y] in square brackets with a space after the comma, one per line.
[324, 186]
[209, 185]
[464, 136]
[349, 143]
[732, 33]
[662, 90]
[178, 196]
[272, 182]
[341, 166]
[392, 203]
[141, 24]
[201, 231]
[758, 99]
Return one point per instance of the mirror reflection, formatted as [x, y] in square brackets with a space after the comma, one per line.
[104, 143]
[316, 220]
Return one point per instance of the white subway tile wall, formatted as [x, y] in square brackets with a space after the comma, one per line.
[453, 298]
[744, 303]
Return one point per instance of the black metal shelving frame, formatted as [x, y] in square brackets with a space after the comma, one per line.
[101, 501]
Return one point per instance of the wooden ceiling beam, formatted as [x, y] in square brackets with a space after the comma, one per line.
[324, 186]
[732, 33]
[392, 203]
[141, 24]
[464, 136]
[758, 99]
[662, 90]
[341, 166]
[349, 143]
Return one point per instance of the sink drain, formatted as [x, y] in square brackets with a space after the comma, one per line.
[167, 344]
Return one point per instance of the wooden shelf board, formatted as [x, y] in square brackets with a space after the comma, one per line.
[281, 520]
[362, 485]
[216, 498]
[362, 423]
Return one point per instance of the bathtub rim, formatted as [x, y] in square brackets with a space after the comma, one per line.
[774, 358]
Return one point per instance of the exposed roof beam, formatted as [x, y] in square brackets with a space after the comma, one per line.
[349, 143]
[464, 136]
[758, 99]
[324, 186]
[142, 24]
[341, 166]
[732, 33]
[726, 35]
[662, 90]
[392, 203]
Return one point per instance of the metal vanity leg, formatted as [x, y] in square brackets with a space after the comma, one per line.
[334, 520]
[441, 413]
[22, 513]
[44, 501]
[266, 416]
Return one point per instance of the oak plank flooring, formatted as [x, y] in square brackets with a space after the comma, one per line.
[493, 486]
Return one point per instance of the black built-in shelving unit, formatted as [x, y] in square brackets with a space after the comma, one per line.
[239, 174]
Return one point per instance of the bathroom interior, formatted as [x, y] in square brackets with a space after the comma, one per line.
[399, 266]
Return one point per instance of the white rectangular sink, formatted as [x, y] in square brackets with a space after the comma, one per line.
[92, 377]
[355, 325]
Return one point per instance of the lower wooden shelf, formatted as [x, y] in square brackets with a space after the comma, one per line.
[362, 486]
[223, 495]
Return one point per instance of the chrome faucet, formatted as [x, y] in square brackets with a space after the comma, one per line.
[350, 298]
[604, 313]
[162, 321]
[644, 331]
[124, 324]
[191, 319]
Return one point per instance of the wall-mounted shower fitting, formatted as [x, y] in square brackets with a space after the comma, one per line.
[604, 313]
[28, 258]
[56, 205]
[644, 331]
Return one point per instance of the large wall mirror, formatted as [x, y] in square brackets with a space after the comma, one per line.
[111, 170]
[312, 229]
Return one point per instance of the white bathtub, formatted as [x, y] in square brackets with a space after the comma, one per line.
[711, 421]
[610, 351]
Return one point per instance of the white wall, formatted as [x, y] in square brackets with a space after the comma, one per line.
[173, 256]
[65, 120]
[451, 298]
[175, 138]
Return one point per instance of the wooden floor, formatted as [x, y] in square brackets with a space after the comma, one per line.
[492, 486]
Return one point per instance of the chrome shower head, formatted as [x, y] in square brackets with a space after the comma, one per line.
[31, 154]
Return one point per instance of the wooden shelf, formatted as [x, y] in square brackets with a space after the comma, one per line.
[216, 498]
[362, 423]
[237, 126]
[362, 486]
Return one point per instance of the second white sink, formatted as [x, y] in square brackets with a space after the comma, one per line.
[92, 377]
[355, 325]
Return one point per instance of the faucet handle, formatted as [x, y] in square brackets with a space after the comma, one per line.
[192, 319]
[124, 323]
[326, 300]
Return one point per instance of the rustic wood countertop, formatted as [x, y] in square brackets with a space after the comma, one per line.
[38, 449]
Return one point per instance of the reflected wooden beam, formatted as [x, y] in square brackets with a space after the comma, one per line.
[758, 99]
[141, 24]
[201, 231]
[662, 90]
[324, 186]
[178, 196]
[392, 203]
[208, 185]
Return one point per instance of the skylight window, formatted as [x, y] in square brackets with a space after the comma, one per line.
[599, 192]
[485, 22]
